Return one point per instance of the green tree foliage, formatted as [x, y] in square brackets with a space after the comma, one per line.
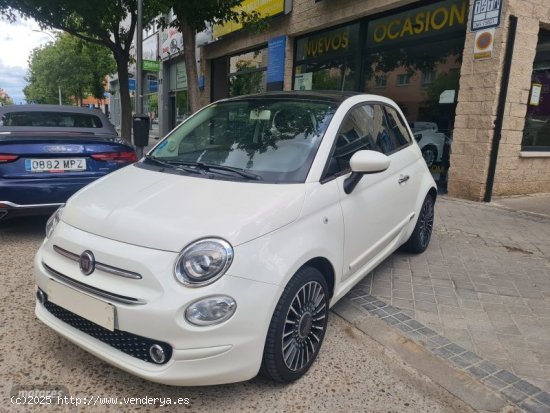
[110, 23]
[193, 16]
[77, 67]
[245, 83]
[5, 100]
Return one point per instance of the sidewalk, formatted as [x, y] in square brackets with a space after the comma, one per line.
[479, 297]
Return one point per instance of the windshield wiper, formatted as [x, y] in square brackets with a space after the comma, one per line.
[173, 164]
[241, 172]
[198, 166]
[210, 167]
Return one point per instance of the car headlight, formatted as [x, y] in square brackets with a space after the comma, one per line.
[53, 221]
[211, 310]
[203, 262]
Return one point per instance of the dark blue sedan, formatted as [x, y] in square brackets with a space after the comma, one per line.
[47, 153]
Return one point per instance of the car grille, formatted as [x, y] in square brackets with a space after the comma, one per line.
[131, 344]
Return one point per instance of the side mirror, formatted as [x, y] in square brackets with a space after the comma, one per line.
[369, 162]
[365, 162]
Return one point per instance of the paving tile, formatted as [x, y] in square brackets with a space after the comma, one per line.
[507, 377]
[425, 306]
[514, 394]
[526, 387]
[488, 367]
[400, 303]
[532, 406]
[477, 372]
[403, 295]
[494, 382]
[425, 289]
[544, 398]
[460, 362]
[444, 291]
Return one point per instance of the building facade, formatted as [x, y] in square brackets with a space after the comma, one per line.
[473, 103]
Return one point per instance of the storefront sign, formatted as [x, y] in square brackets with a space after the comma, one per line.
[150, 65]
[485, 14]
[429, 21]
[153, 86]
[276, 63]
[265, 8]
[483, 45]
[329, 43]
[171, 42]
[303, 81]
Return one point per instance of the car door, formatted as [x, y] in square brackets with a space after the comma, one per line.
[377, 211]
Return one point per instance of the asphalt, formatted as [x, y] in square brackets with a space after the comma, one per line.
[477, 299]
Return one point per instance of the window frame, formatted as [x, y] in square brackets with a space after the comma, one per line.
[324, 178]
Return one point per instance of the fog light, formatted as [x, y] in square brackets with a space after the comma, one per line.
[211, 310]
[41, 296]
[157, 354]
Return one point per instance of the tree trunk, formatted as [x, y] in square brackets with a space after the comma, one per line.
[125, 104]
[189, 49]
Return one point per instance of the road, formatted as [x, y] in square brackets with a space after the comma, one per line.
[353, 373]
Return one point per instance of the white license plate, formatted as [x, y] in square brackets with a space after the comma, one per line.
[55, 165]
[90, 308]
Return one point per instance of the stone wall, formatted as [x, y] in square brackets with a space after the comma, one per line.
[477, 108]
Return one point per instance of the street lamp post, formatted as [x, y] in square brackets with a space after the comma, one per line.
[54, 39]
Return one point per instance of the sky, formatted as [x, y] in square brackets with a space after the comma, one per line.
[17, 40]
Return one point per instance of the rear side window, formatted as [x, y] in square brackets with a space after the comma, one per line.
[397, 126]
[51, 119]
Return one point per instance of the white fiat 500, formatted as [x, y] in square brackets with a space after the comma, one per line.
[219, 254]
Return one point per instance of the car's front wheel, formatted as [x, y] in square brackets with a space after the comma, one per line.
[297, 327]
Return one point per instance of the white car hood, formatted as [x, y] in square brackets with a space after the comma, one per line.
[167, 212]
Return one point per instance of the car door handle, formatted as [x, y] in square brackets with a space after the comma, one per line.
[403, 178]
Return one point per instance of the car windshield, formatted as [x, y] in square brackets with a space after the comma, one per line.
[50, 119]
[272, 140]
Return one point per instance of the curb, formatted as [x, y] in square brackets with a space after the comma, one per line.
[479, 383]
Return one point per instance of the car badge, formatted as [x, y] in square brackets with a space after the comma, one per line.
[86, 262]
[64, 148]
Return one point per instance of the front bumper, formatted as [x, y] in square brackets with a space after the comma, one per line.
[224, 353]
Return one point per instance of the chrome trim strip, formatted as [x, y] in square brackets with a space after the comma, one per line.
[14, 205]
[91, 290]
[66, 253]
[104, 267]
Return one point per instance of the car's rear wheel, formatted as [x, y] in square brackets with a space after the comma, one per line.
[420, 238]
[429, 153]
[297, 327]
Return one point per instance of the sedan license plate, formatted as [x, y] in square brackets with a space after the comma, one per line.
[90, 308]
[55, 165]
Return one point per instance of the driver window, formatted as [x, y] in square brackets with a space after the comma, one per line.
[363, 128]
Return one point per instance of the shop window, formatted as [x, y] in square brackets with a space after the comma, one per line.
[536, 134]
[333, 74]
[403, 79]
[247, 73]
[328, 60]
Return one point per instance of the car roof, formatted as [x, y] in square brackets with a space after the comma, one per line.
[328, 95]
[47, 108]
[106, 129]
